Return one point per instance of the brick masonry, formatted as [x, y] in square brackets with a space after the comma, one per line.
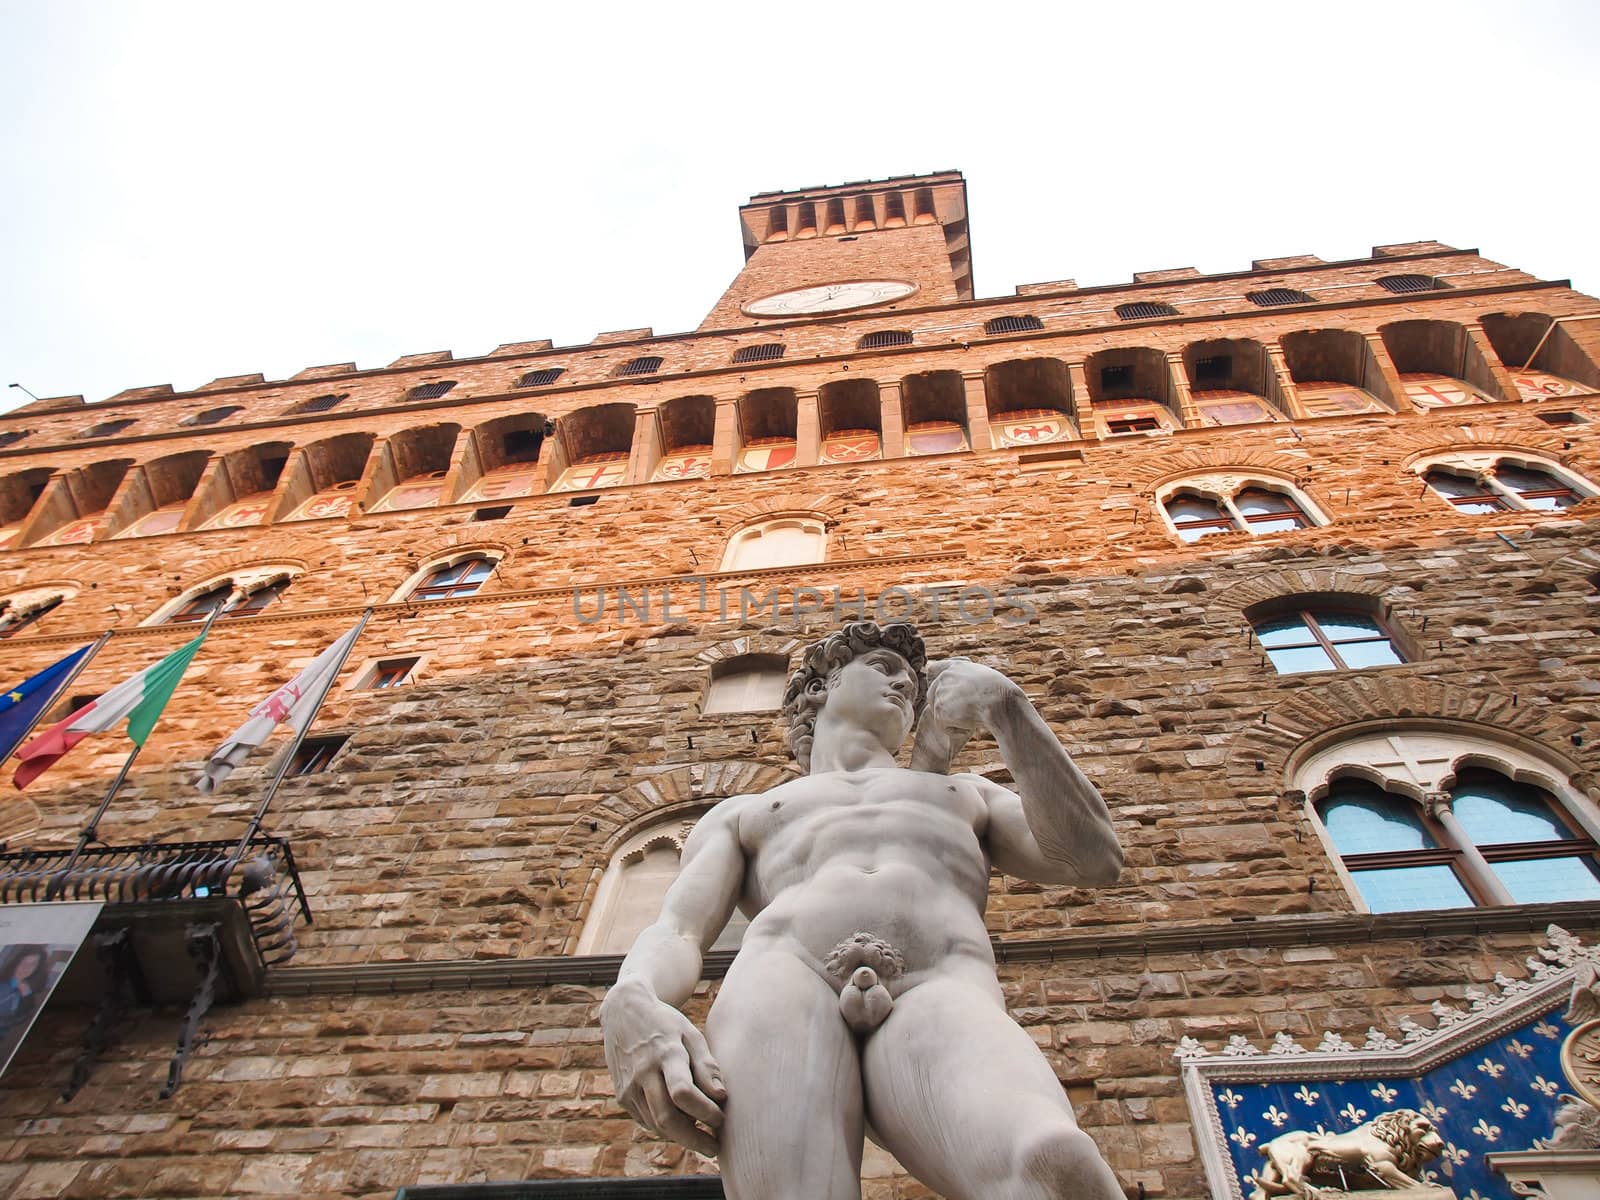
[473, 811]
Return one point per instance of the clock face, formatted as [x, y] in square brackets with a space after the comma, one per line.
[830, 297]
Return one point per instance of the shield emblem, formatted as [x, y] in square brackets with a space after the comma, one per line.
[766, 454]
[686, 462]
[1437, 391]
[594, 471]
[1032, 427]
[502, 483]
[935, 437]
[1536, 385]
[850, 445]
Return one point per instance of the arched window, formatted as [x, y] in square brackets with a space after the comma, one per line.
[882, 339]
[212, 415]
[11, 437]
[1323, 637]
[748, 683]
[647, 364]
[765, 352]
[1222, 504]
[431, 391]
[236, 598]
[1271, 297]
[1421, 816]
[1487, 840]
[317, 404]
[541, 378]
[106, 428]
[781, 542]
[1403, 284]
[446, 581]
[1026, 323]
[631, 890]
[1481, 483]
[1143, 310]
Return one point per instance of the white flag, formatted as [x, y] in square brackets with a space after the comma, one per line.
[296, 702]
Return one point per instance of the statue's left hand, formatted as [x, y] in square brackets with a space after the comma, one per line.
[962, 695]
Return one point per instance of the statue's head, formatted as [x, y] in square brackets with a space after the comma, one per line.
[822, 673]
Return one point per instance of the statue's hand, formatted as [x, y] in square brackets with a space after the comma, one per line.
[662, 1068]
[962, 695]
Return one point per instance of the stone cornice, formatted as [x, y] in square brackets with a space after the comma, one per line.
[1315, 930]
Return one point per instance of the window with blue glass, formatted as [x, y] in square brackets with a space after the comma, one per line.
[1326, 639]
[1495, 841]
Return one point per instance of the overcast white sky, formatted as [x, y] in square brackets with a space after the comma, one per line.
[207, 189]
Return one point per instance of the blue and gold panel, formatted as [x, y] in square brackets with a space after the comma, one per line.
[1499, 1096]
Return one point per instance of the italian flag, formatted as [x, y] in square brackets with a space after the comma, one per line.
[138, 699]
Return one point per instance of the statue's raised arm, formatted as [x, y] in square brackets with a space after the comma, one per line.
[1058, 830]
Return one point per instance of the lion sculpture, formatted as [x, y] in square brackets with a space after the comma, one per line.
[1385, 1152]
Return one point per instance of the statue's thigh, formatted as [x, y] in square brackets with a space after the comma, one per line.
[792, 1122]
[958, 1092]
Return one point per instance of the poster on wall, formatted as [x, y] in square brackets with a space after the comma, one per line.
[37, 941]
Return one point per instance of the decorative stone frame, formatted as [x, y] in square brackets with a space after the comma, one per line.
[752, 530]
[247, 580]
[23, 606]
[1317, 763]
[594, 837]
[1480, 462]
[1414, 1052]
[1222, 486]
[719, 657]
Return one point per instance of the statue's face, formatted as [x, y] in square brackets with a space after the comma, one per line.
[876, 691]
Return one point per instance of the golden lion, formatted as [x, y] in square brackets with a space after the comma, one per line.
[1385, 1152]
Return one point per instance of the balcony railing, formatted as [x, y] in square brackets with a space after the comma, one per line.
[263, 879]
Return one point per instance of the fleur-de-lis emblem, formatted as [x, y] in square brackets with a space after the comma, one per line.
[1230, 1097]
[1276, 1115]
[1488, 1132]
[1383, 1093]
[1464, 1089]
[1434, 1112]
[1352, 1114]
[1306, 1096]
[1546, 1030]
[1454, 1154]
[1491, 1068]
[1515, 1107]
[1246, 1139]
[1520, 1049]
[1544, 1086]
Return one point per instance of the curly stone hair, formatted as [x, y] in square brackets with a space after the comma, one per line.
[808, 686]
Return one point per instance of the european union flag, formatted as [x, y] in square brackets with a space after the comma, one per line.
[23, 703]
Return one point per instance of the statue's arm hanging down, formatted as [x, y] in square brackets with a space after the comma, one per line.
[663, 1070]
[1055, 828]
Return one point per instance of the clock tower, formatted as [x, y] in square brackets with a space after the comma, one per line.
[895, 243]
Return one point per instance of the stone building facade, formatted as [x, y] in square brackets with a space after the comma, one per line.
[1249, 541]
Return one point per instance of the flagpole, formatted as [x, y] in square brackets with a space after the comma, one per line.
[294, 746]
[61, 688]
[91, 830]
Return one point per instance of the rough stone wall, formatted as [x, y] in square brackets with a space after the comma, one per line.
[472, 812]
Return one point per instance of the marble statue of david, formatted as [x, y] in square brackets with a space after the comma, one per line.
[864, 993]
